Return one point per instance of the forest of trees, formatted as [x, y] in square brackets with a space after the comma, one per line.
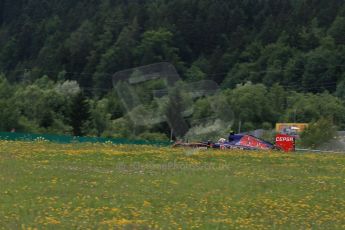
[275, 60]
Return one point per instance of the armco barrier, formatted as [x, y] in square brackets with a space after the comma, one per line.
[73, 139]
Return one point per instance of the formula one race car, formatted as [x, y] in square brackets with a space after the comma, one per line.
[244, 142]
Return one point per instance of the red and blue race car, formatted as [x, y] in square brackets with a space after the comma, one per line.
[244, 142]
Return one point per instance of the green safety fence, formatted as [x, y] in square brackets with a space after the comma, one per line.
[14, 136]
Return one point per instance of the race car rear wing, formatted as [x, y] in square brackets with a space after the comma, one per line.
[285, 142]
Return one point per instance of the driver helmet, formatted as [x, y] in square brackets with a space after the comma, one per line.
[221, 140]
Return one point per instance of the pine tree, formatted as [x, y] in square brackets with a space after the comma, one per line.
[80, 114]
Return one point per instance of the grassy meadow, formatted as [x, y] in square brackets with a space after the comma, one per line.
[104, 186]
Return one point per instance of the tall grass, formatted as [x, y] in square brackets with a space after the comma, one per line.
[45, 185]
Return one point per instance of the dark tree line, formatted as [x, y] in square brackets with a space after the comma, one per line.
[290, 42]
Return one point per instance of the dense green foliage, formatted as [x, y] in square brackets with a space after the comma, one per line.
[318, 133]
[292, 51]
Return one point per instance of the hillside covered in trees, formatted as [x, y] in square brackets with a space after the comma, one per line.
[274, 60]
